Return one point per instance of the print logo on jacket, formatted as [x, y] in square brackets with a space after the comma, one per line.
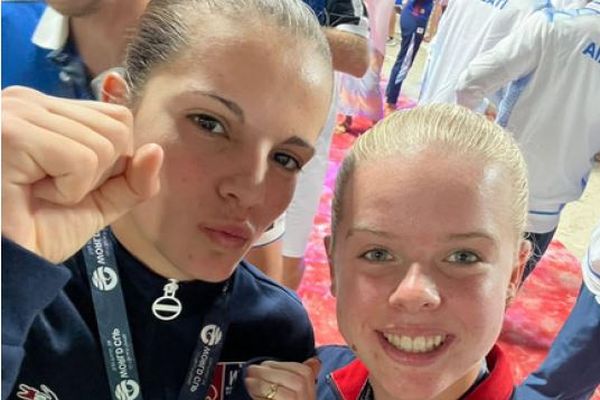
[211, 335]
[26, 392]
[592, 50]
[104, 278]
[128, 389]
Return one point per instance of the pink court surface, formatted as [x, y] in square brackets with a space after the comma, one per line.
[531, 323]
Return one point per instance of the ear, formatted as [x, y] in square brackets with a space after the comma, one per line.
[114, 88]
[518, 268]
[327, 242]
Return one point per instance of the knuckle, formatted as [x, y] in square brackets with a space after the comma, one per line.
[10, 129]
[85, 165]
[105, 153]
[18, 92]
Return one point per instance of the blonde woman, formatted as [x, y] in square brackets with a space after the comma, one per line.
[426, 253]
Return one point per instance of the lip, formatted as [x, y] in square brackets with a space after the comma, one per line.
[415, 359]
[231, 236]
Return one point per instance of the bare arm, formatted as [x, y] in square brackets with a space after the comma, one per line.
[350, 51]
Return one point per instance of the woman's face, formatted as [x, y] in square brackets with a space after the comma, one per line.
[424, 258]
[237, 117]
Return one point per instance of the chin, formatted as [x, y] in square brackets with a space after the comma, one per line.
[216, 273]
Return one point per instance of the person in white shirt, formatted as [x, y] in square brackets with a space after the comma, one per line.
[468, 28]
[551, 106]
[570, 370]
[279, 252]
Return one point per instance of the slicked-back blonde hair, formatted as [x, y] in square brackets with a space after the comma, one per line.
[451, 127]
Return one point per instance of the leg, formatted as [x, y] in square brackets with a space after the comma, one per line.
[392, 25]
[570, 370]
[394, 84]
[305, 203]
[540, 242]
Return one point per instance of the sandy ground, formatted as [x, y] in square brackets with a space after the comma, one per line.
[578, 218]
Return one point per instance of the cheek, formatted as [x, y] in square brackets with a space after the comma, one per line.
[359, 302]
[185, 172]
[483, 321]
[278, 194]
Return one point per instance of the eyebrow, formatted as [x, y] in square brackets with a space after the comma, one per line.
[363, 229]
[453, 236]
[472, 235]
[237, 110]
[230, 105]
[298, 141]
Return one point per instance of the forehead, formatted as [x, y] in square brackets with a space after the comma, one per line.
[428, 193]
[274, 79]
[223, 45]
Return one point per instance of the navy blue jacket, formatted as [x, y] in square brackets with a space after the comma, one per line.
[50, 338]
[58, 72]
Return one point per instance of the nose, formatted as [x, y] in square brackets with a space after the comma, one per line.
[245, 183]
[416, 292]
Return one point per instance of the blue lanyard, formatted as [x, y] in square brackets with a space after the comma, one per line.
[115, 335]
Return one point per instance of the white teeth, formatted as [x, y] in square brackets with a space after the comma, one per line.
[419, 344]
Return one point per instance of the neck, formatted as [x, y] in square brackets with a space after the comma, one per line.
[453, 392]
[145, 250]
[101, 37]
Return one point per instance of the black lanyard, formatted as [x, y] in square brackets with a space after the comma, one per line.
[115, 336]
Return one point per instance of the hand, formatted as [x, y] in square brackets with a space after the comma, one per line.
[68, 169]
[273, 380]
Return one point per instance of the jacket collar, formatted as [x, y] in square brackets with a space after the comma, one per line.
[51, 31]
[350, 381]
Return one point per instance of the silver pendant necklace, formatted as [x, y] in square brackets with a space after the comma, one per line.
[167, 307]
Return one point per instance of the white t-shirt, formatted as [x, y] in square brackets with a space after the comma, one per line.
[552, 105]
[591, 264]
[297, 222]
[466, 29]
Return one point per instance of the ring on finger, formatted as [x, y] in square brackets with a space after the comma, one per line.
[272, 391]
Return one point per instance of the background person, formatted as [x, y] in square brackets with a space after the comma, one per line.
[570, 368]
[59, 46]
[283, 260]
[556, 125]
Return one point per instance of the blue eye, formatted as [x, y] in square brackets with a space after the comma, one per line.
[463, 257]
[207, 123]
[286, 161]
[377, 255]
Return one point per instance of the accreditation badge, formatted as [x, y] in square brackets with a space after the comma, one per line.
[225, 378]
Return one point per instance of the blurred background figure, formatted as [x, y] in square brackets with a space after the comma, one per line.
[60, 47]
[413, 23]
[280, 252]
[570, 370]
[551, 107]
[362, 97]
[468, 28]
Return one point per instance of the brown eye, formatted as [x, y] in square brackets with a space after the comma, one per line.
[207, 123]
[286, 161]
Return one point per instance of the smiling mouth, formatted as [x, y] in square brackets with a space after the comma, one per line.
[417, 344]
